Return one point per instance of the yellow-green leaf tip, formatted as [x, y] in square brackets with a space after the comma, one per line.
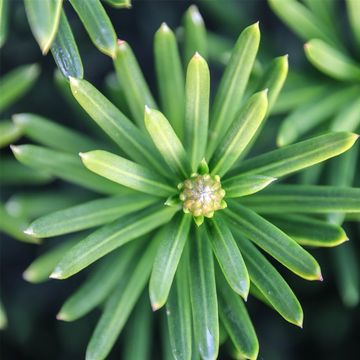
[15, 149]
[28, 275]
[62, 316]
[74, 82]
[56, 274]
[29, 231]
[164, 27]
[155, 306]
[19, 119]
[82, 155]
[195, 14]
[121, 45]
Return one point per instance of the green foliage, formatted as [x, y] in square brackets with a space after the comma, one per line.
[332, 103]
[199, 270]
[44, 18]
[16, 83]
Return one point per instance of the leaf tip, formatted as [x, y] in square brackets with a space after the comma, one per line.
[195, 15]
[15, 149]
[164, 27]
[73, 81]
[28, 275]
[56, 274]
[19, 119]
[155, 306]
[299, 323]
[83, 156]
[29, 231]
[281, 141]
[62, 316]
[121, 44]
[147, 109]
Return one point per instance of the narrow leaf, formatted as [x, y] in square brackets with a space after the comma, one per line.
[110, 272]
[243, 185]
[65, 166]
[126, 172]
[309, 232]
[44, 18]
[307, 199]
[115, 92]
[232, 86]
[14, 227]
[294, 96]
[170, 78]
[324, 10]
[4, 22]
[229, 256]
[274, 79]
[88, 215]
[48, 133]
[197, 109]
[274, 241]
[120, 3]
[31, 205]
[306, 117]
[120, 305]
[136, 91]
[270, 283]
[301, 20]
[3, 317]
[203, 296]
[65, 50]
[194, 34]
[110, 237]
[115, 124]
[347, 273]
[97, 24]
[167, 259]
[178, 311]
[353, 10]
[13, 173]
[348, 119]
[9, 133]
[240, 133]
[139, 332]
[342, 173]
[41, 268]
[16, 83]
[331, 61]
[166, 141]
[236, 320]
[295, 157]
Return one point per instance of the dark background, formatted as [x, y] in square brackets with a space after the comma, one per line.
[331, 331]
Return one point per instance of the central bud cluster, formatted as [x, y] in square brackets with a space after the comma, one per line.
[202, 195]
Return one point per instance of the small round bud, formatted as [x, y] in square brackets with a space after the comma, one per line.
[202, 195]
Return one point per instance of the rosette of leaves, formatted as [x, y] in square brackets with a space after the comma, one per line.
[184, 210]
[329, 100]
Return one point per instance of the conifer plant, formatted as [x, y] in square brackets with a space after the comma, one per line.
[189, 213]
